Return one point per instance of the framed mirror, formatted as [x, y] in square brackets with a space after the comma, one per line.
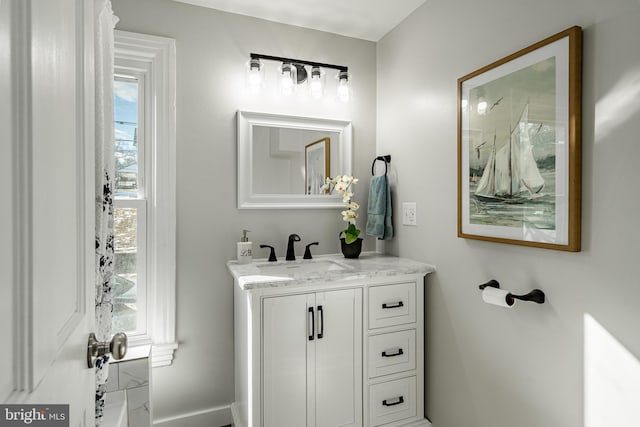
[284, 160]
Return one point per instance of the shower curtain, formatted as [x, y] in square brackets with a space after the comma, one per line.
[105, 22]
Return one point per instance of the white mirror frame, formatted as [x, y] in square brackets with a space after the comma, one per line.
[247, 199]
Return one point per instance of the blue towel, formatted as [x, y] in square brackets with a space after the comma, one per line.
[379, 209]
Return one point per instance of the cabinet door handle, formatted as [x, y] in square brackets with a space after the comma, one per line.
[397, 353]
[399, 401]
[321, 321]
[313, 324]
[399, 304]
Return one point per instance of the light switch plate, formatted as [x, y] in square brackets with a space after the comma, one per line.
[409, 213]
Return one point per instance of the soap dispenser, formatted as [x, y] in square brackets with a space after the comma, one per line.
[245, 249]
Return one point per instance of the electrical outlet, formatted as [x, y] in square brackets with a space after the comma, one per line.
[409, 213]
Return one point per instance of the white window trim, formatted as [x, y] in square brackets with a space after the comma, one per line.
[156, 57]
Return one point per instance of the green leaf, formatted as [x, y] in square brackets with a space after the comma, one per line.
[351, 229]
[351, 234]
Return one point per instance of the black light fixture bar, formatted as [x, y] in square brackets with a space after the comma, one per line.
[298, 61]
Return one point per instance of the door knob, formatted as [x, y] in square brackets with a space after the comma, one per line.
[117, 347]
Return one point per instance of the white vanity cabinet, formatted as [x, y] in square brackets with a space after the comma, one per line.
[336, 348]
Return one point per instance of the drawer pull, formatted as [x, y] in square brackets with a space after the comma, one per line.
[399, 304]
[398, 353]
[397, 402]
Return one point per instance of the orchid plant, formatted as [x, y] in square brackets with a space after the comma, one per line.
[343, 185]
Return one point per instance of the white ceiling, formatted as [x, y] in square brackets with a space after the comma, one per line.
[363, 19]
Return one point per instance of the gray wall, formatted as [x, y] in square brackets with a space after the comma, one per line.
[488, 366]
[212, 48]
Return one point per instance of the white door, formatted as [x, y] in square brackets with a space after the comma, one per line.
[287, 333]
[338, 358]
[47, 175]
[312, 360]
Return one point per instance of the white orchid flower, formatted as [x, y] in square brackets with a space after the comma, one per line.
[342, 184]
[348, 215]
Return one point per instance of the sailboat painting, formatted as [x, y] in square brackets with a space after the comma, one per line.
[512, 174]
[517, 146]
[515, 155]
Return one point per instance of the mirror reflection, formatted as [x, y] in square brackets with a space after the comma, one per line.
[293, 161]
[284, 160]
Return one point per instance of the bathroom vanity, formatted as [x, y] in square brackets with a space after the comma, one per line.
[329, 342]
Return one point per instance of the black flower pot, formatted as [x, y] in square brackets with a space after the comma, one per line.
[351, 250]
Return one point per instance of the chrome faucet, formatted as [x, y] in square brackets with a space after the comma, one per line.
[291, 255]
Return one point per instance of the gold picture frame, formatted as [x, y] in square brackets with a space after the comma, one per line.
[317, 165]
[519, 147]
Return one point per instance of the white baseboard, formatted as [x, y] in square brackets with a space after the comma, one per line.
[211, 417]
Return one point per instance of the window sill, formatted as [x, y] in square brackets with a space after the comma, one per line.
[135, 352]
[161, 353]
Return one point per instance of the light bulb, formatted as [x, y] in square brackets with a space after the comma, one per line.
[315, 84]
[255, 80]
[316, 87]
[254, 76]
[343, 86]
[287, 84]
[286, 80]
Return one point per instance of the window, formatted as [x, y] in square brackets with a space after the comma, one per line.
[144, 202]
[130, 216]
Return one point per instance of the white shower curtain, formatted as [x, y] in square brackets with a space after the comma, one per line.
[105, 22]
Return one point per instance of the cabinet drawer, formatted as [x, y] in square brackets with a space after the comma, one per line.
[392, 401]
[391, 353]
[391, 305]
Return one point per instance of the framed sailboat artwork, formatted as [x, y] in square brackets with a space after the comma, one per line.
[519, 147]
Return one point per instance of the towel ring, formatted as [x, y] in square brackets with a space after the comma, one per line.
[386, 159]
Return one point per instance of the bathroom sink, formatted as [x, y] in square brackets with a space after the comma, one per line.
[301, 268]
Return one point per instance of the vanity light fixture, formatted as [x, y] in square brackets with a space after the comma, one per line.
[316, 84]
[255, 75]
[343, 86]
[293, 72]
[287, 76]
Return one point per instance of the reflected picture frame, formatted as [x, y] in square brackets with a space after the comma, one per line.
[519, 147]
[317, 165]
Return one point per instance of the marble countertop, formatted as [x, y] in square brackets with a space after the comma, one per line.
[330, 268]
